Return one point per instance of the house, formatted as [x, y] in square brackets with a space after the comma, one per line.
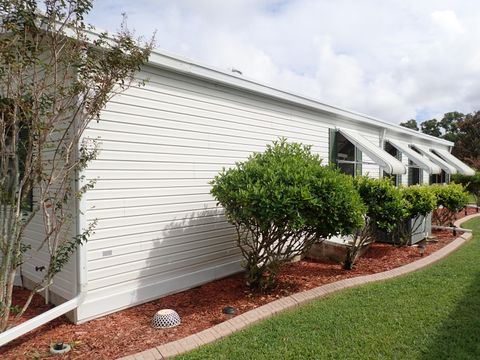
[159, 231]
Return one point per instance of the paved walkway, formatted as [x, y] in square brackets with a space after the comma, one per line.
[250, 317]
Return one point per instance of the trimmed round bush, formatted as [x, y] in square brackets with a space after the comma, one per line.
[384, 209]
[418, 200]
[282, 201]
[383, 201]
[452, 198]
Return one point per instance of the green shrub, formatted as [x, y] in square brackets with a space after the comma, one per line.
[384, 208]
[281, 202]
[452, 198]
[471, 184]
[418, 200]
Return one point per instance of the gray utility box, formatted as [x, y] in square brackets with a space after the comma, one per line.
[422, 226]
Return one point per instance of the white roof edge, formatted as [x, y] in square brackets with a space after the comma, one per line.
[457, 163]
[416, 157]
[183, 65]
[450, 169]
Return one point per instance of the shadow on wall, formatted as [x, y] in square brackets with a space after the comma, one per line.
[459, 335]
[194, 249]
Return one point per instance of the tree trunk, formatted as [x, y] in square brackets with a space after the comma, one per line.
[8, 300]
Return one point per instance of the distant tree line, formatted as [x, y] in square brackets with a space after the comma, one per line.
[462, 129]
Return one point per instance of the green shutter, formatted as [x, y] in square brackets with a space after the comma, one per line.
[399, 177]
[332, 146]
[358, 160]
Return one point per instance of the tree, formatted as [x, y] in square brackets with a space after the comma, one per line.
[462, 130]
[54, 79]
[450, 123]
[431, 127]
[281, 202]
[411, 124]
[471, 184]
[467, 146]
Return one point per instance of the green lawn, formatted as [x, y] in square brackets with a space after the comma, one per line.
[431, 314]
[471, 199]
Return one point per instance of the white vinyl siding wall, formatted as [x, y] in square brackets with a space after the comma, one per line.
[159, 231]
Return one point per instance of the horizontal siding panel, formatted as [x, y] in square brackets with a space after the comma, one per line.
[118, 165]
[182, 86]
[149, 184]
[133, 202]
[108, 155]
[169, 283]
[228, 150]
[224, 116]
[152, 174]
[185, 138]
[197, 239]
[169, 225]
[96, 194]
[152, 234]
[156, 255]
[156, 267]
[132, 210]
[149, 218]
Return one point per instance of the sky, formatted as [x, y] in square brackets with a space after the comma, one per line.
[392, 59]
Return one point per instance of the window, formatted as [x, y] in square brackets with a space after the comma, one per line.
[441, 178]
[344, 154]
[396, 179]
[414, 174]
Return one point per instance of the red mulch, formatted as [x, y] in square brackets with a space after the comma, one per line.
[129, 331]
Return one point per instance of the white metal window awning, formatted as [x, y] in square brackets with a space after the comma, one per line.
[452, 160]
[387, 162]
[449, 169]
[416, 157]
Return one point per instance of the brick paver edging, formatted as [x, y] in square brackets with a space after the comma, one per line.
[250, 317]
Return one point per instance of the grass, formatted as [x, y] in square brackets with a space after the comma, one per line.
[472, 199]
[430, 314]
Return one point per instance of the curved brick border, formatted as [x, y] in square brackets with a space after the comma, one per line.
[250, 317]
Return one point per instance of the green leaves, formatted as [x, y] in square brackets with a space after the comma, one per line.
[418, 200]
[471, 184]
[281, 202]
[383, 201]
[451, 196]
[55, 78]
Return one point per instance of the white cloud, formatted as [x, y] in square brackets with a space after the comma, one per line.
[393, 60]
[447, 20]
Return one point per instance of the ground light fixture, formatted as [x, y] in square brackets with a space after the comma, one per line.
[165, 318]
[229, 311]
[421, 249]
[59, 348]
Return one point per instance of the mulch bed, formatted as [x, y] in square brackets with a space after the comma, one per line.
[129, 331]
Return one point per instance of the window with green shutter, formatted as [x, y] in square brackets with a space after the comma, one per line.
[343, 154]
